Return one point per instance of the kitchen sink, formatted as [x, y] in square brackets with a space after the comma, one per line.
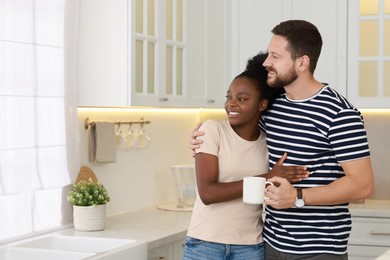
[76, 247]
[19, 253]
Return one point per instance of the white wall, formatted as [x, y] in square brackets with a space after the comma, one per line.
[141, 178]
[378, 128]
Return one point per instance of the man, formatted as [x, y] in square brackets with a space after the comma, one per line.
[320, 129]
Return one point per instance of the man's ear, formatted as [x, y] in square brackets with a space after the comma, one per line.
[303, 63]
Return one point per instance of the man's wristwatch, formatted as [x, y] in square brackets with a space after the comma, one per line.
[299, 202]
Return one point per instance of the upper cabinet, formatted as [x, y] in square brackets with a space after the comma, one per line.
[132, 53]
[330, 17]
[185, 53]
[209, 58]
[158, 44]
[102, 53]
[256, 19]
[165, 53]
[369, 53]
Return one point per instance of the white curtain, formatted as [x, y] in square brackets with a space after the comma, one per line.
[38, 120]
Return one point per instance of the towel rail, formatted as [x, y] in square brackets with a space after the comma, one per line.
[142, 121]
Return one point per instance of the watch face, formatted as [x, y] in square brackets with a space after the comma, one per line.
[299, 203]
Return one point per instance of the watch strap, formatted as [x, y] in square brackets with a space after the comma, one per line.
[299, 194]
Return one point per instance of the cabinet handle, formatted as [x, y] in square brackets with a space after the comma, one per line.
[379, 233]
[211, 101]
[163, 99]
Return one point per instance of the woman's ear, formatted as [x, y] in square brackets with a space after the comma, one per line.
[263, 105]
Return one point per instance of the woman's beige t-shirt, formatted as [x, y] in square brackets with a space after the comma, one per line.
[232, 222]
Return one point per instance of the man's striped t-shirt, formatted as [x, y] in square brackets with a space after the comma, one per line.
[319, 133]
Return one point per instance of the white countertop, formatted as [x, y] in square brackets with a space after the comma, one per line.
[157, 227]
[371, 208]
[385, 256]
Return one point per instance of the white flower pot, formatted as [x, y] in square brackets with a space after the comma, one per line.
[89, 218]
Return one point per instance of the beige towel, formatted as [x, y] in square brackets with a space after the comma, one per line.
[102, 142]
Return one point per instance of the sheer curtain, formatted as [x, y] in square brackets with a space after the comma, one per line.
[37, 115]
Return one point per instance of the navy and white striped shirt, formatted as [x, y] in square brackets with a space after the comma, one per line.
[319, 133]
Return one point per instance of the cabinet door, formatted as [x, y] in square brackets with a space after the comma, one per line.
[178, 247]
[256, 19]
[365, 252]
[330, 17]
[208, 57]
[253, 21]
[158, 53]
[161, 253]
[102, 53]
[370, 231]
[368, 53]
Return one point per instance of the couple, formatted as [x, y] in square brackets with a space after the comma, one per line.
[314, 125]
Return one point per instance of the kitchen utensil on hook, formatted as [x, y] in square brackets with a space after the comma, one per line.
[120, 142]
[130, 137]
[142, 138]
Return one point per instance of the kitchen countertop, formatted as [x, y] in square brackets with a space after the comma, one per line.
[371, 208]
[157, 227]
[385, 256]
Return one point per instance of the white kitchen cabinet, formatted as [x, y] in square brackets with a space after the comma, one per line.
[170, 251]
[330, 17]
[219, 37]
[209, 55]
[369, 53]
[256, 19]
[178, 247]
[107, 53]
[252, 23]
[102, 53]
[163, 252]
[370, 237]
[121, 66]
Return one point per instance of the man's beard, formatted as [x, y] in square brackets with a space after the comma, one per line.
[282, 81]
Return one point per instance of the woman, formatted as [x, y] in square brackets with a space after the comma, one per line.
[222, 226]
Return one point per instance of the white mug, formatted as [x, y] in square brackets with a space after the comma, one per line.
[254, 190]
[142, 139]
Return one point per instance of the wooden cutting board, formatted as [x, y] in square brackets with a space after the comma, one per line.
[86, 173]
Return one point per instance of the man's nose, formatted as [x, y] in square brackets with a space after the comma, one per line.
[266, 62]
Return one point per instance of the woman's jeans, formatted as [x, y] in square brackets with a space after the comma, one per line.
[196, 249]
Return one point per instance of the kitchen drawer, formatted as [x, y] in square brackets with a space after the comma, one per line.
[178, 248]
[365, 252]
[164, 252]
[370, 231]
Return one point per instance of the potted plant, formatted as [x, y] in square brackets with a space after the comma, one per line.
[89, 199]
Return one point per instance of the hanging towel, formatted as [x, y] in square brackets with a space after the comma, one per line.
[102, 142]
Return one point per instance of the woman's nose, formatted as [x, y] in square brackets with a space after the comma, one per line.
[231, 104]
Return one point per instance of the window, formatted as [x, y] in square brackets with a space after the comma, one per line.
[34, 175]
